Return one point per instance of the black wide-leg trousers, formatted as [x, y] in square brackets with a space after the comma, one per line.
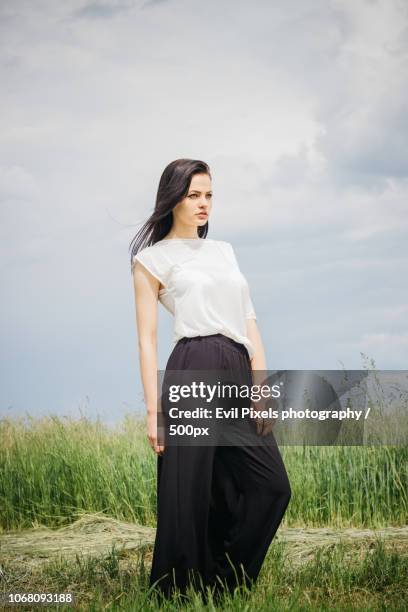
[218, 507]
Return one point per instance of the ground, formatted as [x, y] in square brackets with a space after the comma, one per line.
[95, 534]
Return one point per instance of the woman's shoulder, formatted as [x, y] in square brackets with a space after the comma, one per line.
[153, 258]
[164, 244]
[225, 246]
[167, 247]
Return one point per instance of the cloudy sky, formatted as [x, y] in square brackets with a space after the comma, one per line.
[299, 108]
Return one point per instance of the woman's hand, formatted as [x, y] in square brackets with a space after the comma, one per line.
[152, 432]
[264, 426]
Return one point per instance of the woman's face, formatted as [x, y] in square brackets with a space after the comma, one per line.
[194, 209]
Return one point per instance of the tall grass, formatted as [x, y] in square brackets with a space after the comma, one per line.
[51, 468]
[348, 485]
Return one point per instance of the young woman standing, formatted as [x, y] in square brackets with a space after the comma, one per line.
[218, 507]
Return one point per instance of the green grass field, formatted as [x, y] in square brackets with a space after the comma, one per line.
[52, 469]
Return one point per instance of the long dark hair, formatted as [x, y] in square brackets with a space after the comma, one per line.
[173, 187]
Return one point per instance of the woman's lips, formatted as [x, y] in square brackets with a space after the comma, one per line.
[202, 215]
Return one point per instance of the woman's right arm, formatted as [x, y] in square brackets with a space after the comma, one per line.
[146, 288]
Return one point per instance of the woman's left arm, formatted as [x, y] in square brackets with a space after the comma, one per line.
[258, 361]
[259, 374]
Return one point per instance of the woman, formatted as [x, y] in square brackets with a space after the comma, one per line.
[218, 506]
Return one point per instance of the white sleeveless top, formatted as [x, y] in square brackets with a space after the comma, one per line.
[203, 287]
